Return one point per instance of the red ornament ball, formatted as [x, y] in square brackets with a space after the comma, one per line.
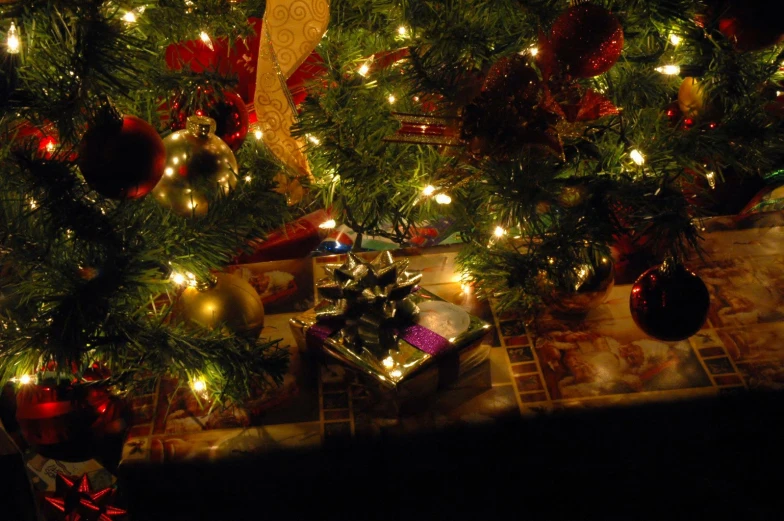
[122, 159]
[63, 419]
[587, 40]
[228, 110]
[752, 25]
[669, 302]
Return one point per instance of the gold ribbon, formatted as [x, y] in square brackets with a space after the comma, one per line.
[290, 32]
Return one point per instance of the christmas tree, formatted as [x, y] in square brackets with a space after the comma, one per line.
[545, 133]
[111, 235]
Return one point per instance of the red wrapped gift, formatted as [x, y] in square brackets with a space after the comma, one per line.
[294, 240]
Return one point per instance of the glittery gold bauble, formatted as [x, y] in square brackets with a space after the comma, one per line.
[691, 98]
[231, 302]
[198, 166]
[593, 281]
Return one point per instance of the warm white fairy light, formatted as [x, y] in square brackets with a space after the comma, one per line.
[637, 157]
[199, 385]
[328, 225]
[402, 30]
[177, 278]
[12, 41]
[711, 177]
[675, 39]
[392, 99]
[206, 39]
[129, 17]
[24, 379]
[314, 140]
[669, 70]
[247, 178]
[533, 51]
[258, 135]
[364, 69]
[388, 362]
[33, 204]
[429, 190]
[499, 232]
[443, 199]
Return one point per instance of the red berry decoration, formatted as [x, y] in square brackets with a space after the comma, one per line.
[587, 40]
[227, 109]
[669, 302]
[122, 159]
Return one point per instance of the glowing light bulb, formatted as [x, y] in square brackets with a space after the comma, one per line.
[258, 135]
[533, 51]
[388, 362]
[327, 225]
[168, 171]
[443, 199]
[392, 99]
[637, 157]
[397, 373]
[25, 379]
[206, 39]
[199, 385]
[33, 204]
[711, 177]
[669, 70]
[429, 190]
[12, 43]
[247, 179]
[314, 140]
[129, 17]
[402, 31]
[364, 70]
[177, 278]
[675, 39]
[499, 232]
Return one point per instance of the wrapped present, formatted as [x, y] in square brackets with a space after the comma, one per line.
[376, 319]
[294, 240]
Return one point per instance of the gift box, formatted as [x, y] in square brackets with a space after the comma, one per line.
[376, 319]
[294, 240]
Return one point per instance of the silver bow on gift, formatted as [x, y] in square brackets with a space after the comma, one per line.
[371, 298]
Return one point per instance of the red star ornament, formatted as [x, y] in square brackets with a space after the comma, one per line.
[75, 501]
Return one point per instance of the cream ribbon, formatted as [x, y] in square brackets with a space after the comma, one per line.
[290, 32]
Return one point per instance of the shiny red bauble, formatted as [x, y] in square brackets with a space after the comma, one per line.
[63, 419]
[122, 159]
[587, 40]
[227, 109]
[751, 25]
[669, 302]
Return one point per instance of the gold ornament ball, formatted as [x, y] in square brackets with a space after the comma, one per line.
[593, 282]
[198, 165]
[691, 98]
[231, 302]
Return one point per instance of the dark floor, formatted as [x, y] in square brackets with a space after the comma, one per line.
[717, 458]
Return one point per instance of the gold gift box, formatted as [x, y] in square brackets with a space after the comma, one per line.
[409, 369]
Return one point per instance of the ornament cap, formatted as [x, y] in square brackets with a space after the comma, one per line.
[202, 126]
